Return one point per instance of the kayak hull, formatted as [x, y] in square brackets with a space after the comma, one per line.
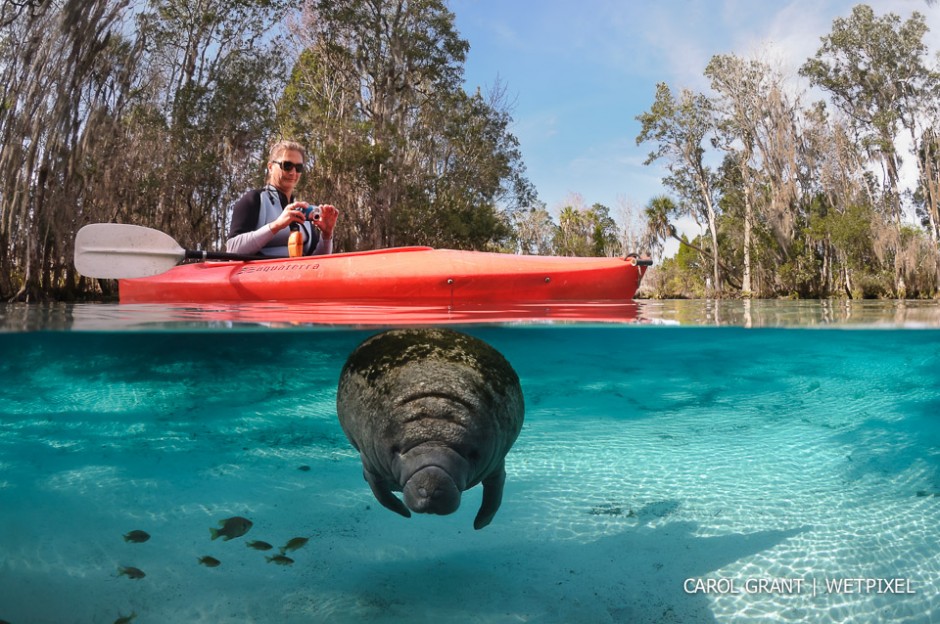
[401, 275]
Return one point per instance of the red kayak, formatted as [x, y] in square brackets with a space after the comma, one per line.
[402, 276]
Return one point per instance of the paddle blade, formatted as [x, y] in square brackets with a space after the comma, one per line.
[118, 251]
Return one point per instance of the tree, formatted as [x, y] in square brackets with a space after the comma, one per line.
[874, 70]
[659, 214]
[660, 211]
[927, 193]
[586, 231]
[471, 169]
[61, 79]
[571, 237]
[389, 62]
[411, 157]
[631, 220]
[211, 67]
[678, 128]
[161, 126]
[603, 232]
[533, 231]
[757, 128]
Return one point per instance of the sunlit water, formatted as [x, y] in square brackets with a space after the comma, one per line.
[691, 462]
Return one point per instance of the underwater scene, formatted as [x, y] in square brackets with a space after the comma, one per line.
[689, 462]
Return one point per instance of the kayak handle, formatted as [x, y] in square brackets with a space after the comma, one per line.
[635, 260]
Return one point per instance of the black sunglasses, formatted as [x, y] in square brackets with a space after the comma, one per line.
[289, 166]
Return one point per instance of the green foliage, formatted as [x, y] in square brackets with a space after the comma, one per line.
[850, 232]
[586, 232]
[473, 162]
[798, 276]
[800, 209]
[406, 154]
[659, 213]
[167, 123]
[874, 69]
[604, 238]
[678, 128]
[532, 231]
[680, 277]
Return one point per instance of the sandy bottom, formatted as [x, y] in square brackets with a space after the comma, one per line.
[663, 490]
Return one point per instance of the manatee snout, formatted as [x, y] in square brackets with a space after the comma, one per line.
[431, 490]
[431, 478]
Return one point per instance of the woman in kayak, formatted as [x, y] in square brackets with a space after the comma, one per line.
[262, 219]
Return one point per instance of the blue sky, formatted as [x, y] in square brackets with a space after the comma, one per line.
[577, 73]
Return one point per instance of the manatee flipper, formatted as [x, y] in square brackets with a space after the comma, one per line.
[383, 494]
[492, 496]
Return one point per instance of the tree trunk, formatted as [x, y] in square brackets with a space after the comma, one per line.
[712, 226]
[746, 287]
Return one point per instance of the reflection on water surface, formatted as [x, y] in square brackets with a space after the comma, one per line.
[759, 313]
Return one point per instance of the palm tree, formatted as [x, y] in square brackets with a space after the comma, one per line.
[659, 211]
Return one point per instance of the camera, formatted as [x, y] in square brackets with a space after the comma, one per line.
[314, 210]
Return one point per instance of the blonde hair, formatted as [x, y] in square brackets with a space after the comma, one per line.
[285, 146]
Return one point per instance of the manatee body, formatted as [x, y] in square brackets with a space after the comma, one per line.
[432, 412]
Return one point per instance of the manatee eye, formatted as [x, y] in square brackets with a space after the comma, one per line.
[396, 450]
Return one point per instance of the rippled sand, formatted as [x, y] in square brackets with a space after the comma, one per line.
[651, 458]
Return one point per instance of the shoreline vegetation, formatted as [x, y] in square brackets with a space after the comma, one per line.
[159, 114]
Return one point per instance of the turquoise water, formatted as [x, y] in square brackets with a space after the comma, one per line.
[666, 472]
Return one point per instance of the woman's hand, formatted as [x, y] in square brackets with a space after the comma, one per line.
[292, 213]
[326, 221]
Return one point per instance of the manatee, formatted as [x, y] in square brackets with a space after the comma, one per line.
[433, 412]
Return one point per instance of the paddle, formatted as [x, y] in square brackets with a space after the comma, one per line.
[118, 251]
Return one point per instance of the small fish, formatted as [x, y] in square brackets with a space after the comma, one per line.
[233, 527]
[294, 544]
[131, 572]
[304, 468]
[210, 562]
[125, 619]
[137, 536]
[280, 560]
[259, 545]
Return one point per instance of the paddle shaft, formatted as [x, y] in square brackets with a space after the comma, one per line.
[191, 254]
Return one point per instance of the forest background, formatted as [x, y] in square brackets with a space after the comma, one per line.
[160, 113]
